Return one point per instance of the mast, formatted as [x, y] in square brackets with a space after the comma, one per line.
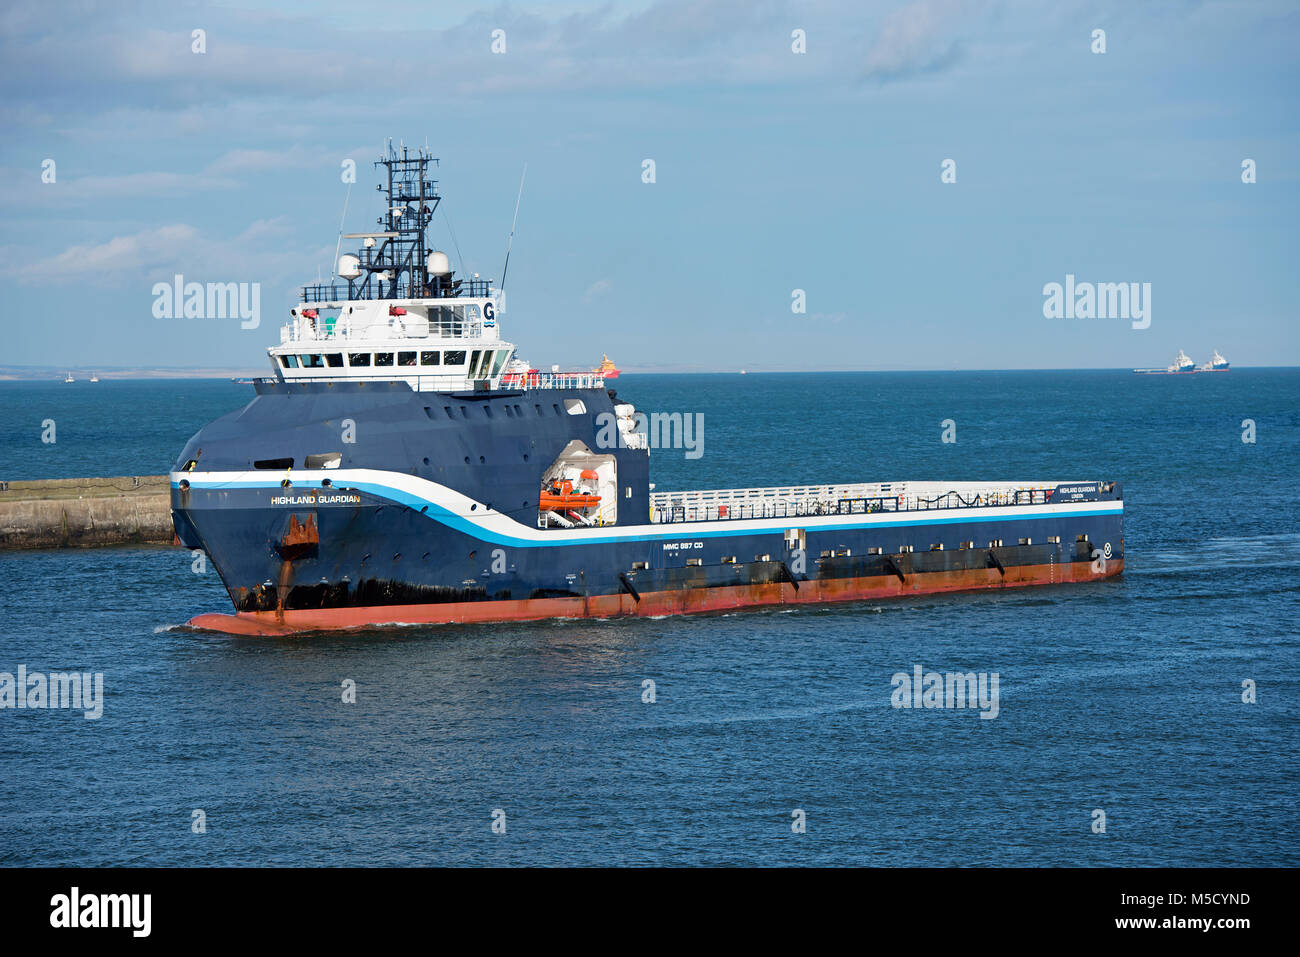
[393, 263]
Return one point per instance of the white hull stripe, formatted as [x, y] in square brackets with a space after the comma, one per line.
[466, 515]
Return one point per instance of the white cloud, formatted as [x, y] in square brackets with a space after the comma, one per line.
[597, 289]
[113, 259]
[257, 254]
[916, 38]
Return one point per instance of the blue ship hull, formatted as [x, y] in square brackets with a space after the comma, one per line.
[431, 514]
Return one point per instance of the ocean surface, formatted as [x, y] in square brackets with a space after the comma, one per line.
[1123, 696]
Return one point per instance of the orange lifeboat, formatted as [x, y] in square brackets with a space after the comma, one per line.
[560, 497]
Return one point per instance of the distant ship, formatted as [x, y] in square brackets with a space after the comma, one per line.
[68, 378]
[1182, 363]
[94, 377]
[606, 367]
[1216, 364]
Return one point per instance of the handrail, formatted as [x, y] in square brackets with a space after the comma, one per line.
[454, 383]
[340, 332]
[812, 500]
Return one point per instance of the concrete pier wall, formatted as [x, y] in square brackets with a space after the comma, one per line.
[70, 513]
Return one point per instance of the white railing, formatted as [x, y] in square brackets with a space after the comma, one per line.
[340, 333]
[553, 380]
[802, 500]
[447, 383]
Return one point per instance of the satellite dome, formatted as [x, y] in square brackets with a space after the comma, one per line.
[438, 264]
[349, 267]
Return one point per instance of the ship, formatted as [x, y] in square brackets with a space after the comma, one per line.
[69, 378]
[1216, 364]
[1182, 364]
[607, 367]
[397, 468]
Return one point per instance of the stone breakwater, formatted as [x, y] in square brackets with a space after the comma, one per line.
[84, 512]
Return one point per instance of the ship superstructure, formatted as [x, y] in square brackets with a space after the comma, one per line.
[402, 465]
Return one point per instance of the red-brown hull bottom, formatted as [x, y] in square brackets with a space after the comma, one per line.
[686, 602]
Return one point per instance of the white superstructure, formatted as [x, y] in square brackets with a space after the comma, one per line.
[448, 344]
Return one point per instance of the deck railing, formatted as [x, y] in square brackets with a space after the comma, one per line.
[552, 380]
[455, 383]
[401, 329]
[801, 501]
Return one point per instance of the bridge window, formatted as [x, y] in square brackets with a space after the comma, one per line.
[430, 358]
[358, 358]
[451, 358]
[289, 362]
[334, 360]
[406, 358]
[311, 361]
[383, 358]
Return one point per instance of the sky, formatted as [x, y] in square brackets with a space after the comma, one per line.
[775, 171]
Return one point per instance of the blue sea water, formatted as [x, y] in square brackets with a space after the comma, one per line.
[1123, 696]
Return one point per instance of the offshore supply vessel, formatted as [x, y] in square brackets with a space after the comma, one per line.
[403, 466]
[1183, 365]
